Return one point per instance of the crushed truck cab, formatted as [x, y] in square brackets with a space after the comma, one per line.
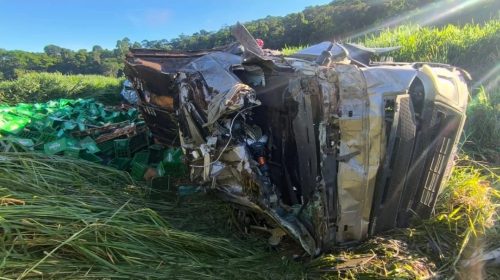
[325, 144]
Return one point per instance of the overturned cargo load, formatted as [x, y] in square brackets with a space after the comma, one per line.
[325, 144]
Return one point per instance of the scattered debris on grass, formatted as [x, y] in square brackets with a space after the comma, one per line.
[111, 135]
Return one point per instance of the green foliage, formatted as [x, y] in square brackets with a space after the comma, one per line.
[42, 87]
[66, 61]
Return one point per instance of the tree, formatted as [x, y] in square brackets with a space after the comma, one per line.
[52, 50]
[122, 47]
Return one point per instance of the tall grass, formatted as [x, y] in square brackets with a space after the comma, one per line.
[473, 47]
[41, 87]
[482, 130]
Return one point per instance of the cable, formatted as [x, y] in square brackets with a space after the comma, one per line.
[228, 141]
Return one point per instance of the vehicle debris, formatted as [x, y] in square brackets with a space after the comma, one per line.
[128, 94]
[326, 144]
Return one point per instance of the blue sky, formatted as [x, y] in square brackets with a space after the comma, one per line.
[32, 24]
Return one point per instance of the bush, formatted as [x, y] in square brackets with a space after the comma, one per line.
[42, 87]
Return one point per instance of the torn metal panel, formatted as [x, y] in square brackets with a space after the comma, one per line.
[356, 172]
[214, 68]
[304, 130]
[338, 52]
[230, 101]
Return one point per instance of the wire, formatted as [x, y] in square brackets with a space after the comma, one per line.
[228, 141]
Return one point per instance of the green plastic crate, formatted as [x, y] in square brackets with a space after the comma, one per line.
[157, 153]
[54, 147]
[106, 147]
[138, 170]
[46, 137]
[160, 170]
[141, 157]
[73, 143]
[139, 141]
[73, 152]
[90, 145]
[122, 148]
[173, 163]
[28, 134]
[90, 157]
[120, 163]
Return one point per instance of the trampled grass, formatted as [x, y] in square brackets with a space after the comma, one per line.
[69, 219]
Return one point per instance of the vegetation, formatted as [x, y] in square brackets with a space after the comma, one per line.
[473, 47]
[482, 129]
[57, 59]
[42, 87]
[337, 20]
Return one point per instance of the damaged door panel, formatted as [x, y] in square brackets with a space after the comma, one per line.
[325, 144]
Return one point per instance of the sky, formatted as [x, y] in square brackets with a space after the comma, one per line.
[80, 24]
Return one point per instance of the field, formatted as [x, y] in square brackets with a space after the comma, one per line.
[99, 223]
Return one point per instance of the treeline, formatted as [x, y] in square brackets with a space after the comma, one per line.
[57, 59]
[338, 20]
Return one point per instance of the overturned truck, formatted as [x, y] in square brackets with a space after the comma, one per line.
[327, 145]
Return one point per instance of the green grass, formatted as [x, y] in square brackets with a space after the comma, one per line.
[68, 219]
[473, 47]
[289, 50]
[42, 87]
[482, 129]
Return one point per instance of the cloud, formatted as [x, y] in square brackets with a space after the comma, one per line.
[151, 17]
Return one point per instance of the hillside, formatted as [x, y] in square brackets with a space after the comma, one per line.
[338, 20]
